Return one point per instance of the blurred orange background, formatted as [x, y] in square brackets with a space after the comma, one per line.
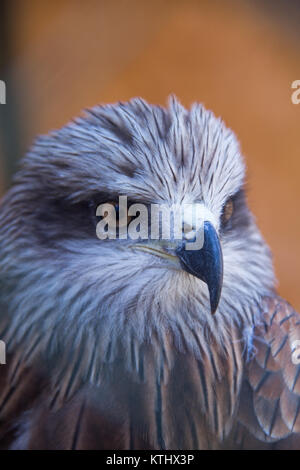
[239, 58]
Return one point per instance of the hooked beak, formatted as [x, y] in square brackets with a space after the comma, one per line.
[205, 263]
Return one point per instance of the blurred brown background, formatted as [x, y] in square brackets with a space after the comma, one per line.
[239, 58]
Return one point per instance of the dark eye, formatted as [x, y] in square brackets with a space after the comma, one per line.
[121, 220]
[227, 212]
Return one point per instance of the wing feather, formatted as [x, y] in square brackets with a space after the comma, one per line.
[270, 398]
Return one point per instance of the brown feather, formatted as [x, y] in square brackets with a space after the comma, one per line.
[220, 401]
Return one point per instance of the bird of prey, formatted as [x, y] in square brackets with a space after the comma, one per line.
[141, 343]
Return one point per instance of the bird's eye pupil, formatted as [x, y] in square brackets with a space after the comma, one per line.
[121, 221]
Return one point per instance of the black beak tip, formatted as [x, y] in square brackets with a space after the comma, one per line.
[214, 301]
[215, 282]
